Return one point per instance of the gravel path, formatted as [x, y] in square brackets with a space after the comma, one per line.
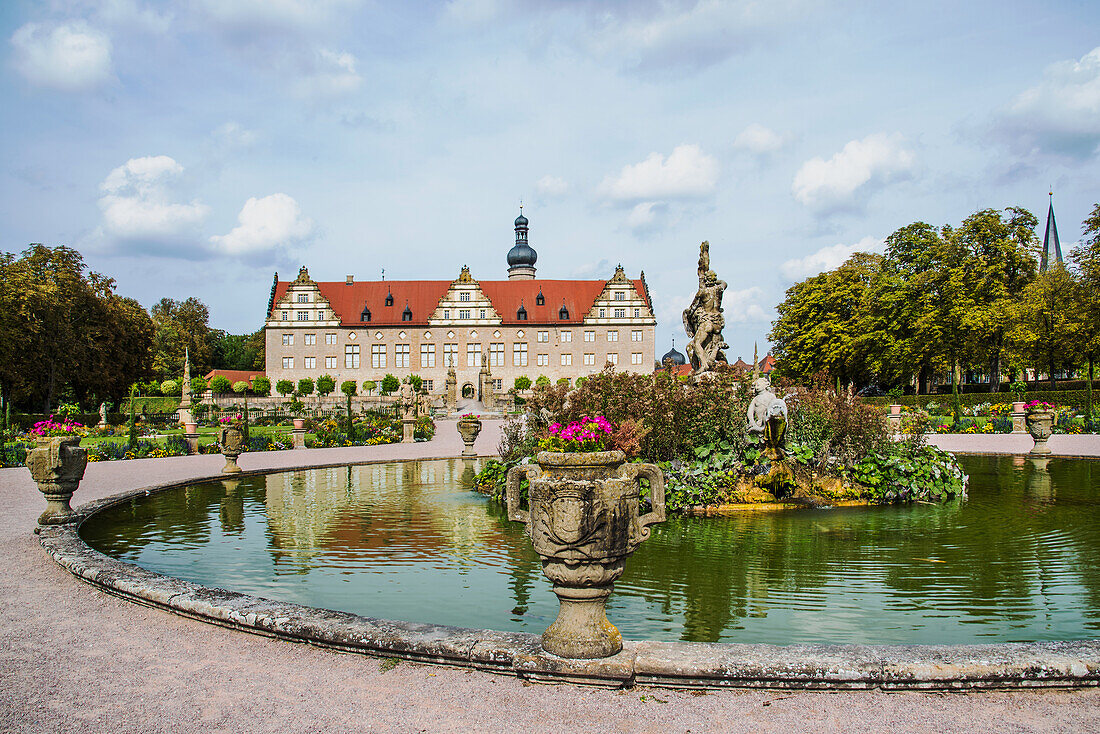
[73, 659]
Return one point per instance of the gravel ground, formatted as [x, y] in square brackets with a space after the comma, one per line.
[73, 659]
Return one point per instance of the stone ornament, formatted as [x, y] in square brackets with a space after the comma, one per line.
[57, 465]
[1039, 424]
[232, 441]
[468, 428]
[703, 319]
[584, 521]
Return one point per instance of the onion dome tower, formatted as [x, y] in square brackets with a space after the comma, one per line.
[673, 358]
[522, 257]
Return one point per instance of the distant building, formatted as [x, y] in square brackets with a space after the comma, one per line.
[1050, 240]
[520, 326]
[234, 376]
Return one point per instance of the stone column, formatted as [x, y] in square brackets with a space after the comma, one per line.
[192, 442]
[298, 438]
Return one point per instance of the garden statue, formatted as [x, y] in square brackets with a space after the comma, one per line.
[57, 465]
[767, 418]
[184, 411]
[758, 410]
[102, 415]
[408, 405]
[703, 319]
[450, 391]
[485, 380]
[232, 439]
[584, 521]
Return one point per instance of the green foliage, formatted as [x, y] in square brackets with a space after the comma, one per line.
[305, 386]
[170, 387]
[181, 327]
[132, 426]
[199, 385]
[326, 384]
[261, 385]
[390, 384]
[542, 381]
[523, 382]
[905, 472]
[416, 381]
[240, 387]
[348, 387]
[284, 387]
[220, 384]
[369, 386]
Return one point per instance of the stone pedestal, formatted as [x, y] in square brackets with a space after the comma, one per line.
[192, 440]
[57, 465]
[584, 522]
[894, 423]
[298, 438]
[408, 426]
[1019, 422]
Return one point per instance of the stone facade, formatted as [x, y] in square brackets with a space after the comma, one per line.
[522, 326]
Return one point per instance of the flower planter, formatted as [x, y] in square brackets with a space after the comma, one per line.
[232, 442]
[584, 521]
[299, 423]
[190, 427]
[57, 465]
[468, 428]
[895, 410]
[1018, 407]
[1039, 424]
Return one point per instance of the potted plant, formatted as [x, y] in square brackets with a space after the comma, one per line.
[296, 408]
[584, 521]
[895, 396]
[1018, 388]
[1040, 421]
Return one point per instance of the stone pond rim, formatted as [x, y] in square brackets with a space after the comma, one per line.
[667, 664]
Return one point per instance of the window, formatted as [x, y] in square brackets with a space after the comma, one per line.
[521, 313]
[330, 363]
[620, 313]
[464, 313]
[303, 316]
[543, 336]
[481, 314]
[603, 313]
[464, 296]
[311, 363]
[590, 336]
[311, 339]
[427, 355]
[635, 358]
[498, 384]
[519, 354]
[330, 338]
[612, 335]
[288, 363]
[288, 340]
[446, 313]
[496, 355]
[407, 314]
[620, 296]
[365, 316]
[389, 299]
[321, 315]
[450, 355]
[428, 385]
[473, 354]
[590, 359]
[378, 356]
[566, 336]
[635, 335]
[637, 311]
[539, 299]
[613, 358]
[543, 360]
[401, 355]
[563, 313]
[566, 360]
[303, 298]
[351, 356]
[286, 316]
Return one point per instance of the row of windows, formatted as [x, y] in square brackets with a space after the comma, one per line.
[378, 357]
[303, 315]
[540, 336]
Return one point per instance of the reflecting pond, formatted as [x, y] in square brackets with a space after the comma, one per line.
[1018, 560]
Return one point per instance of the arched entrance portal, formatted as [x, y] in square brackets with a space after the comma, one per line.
[468, 390]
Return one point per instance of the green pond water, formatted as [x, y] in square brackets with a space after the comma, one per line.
[1018, 560]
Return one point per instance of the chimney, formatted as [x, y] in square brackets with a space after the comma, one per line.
[350, 280]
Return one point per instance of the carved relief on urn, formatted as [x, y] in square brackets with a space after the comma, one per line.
[57, 465]
[232, 439]
[584, 521]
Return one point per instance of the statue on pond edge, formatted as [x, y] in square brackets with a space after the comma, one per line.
[703, 319]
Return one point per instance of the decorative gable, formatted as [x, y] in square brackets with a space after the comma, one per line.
[464, 303]
[620, 303]
[302, 305]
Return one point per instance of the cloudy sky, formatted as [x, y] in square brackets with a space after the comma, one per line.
[194, 148]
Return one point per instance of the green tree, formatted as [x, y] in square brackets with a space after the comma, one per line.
[416, 381]
[169, 387]
[523, 382]
[240, 387]
[348, 387]
[220, 384]
[543, 381]
[326, 384]
[369, 386]
[261, 385]
[1086, 260]
[1046, 327]
[236, 351]
[181, 326]
[305, 386]
[390, 384]
[198, 385]
[284, 387]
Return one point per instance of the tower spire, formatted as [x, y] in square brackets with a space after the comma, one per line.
[1050, 238]
[522, 257]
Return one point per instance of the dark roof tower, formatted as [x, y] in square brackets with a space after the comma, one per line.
[522, 257]
[673, 356]
[1051, 237]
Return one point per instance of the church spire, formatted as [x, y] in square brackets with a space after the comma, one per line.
[1050, 238]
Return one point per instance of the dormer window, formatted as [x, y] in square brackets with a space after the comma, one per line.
[539, 300]
[365, 316]
[303, 298]
[563, 312]
[389, 299]
[407, 315]
[521, 314]
[620, 296]
[464, 296]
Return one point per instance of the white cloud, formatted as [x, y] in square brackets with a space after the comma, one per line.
[687, 173]
[266, 224]
[1059, 115]
[642, 216]
[827, 258]
[292, 15]
[136, 204]
[233, 135]
[840, 181]
[70, 57]
[130, 13]
[759, 140]
[551, 186]
[328, 74]
[744, 306]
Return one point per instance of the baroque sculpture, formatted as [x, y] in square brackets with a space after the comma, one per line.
[703, 319]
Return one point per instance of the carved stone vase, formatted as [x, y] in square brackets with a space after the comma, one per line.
[468, 428]
[231, 438]
[57, 465]
[584, 521]
[1039, 424]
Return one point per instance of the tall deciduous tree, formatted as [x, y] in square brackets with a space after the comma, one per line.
[1086, 260]
[1047, 327]
[182, 326]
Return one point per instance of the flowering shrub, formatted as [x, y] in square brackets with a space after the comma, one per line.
[583, 436]
[471, 416]
[1036, 406]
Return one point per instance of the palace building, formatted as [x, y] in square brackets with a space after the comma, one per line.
[525, 326]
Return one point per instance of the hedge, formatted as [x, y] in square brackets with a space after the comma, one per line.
[151, 405]
[1077, 399]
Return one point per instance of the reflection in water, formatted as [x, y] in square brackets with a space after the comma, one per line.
[1017, 561]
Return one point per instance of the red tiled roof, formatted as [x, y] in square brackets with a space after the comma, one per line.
[235, 375]
[767, 365]
[422, 297]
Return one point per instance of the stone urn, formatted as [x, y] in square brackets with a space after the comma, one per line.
[299, 423]
[231, 439]
[895, 410]
[584, 521]
[1039, 423]
[57, 465]
[190, 427]
[468, 428]
[1018, 407]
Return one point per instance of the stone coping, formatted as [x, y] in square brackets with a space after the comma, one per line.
[667, 664]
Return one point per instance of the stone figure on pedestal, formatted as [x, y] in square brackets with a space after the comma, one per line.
[184, 411]
[703, 319]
